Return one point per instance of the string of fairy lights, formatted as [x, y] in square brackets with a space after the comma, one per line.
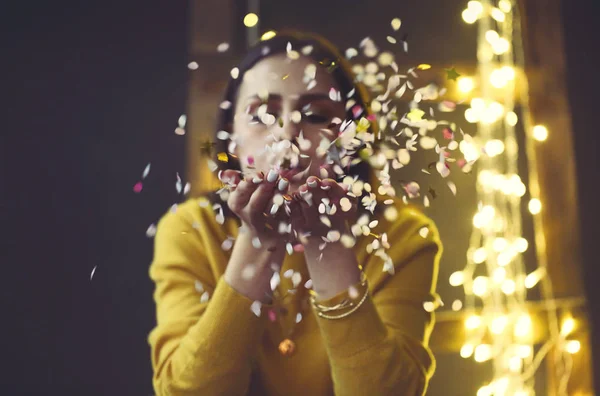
[495, 280]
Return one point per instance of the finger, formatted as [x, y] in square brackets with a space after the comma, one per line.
[240, 197]
[230, 176]
[257, 205]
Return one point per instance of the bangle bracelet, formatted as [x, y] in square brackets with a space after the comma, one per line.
[322, 315]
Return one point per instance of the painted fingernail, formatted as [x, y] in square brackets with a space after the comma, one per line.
[257, 180]
[312, 183]
[325, 188]
[283, 183]
[272, 176]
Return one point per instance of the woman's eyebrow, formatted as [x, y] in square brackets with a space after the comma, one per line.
[304, 98]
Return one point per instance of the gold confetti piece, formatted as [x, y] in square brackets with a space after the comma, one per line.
[415, 115]
[424, 66]
[222, 157]
[452, 74]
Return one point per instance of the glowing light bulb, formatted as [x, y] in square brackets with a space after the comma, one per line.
[533, 278]
[475, 6]
[473, 322]
[499, 324]
[471, 116]
[457, 278]
[535, 206]
[505, 5]
[478, 104]
[501, 386]
[465, 84]
[466, 351]
[567, 327]
[457, 305]
[479, 255]
[268, 35]
[523, 326]
[524, 351]
[521, 245]
[508, 72]
[469, 16]
[494, 147]
[515, 364]
[572, 346]
[512, 118]
[540, 133]
[504, 258]
[251, 19]
[485, 390]
[492, 36]
[498, 15]
[508, 287]
[480, 286]
[483, 352]
[500, 46]
[498, 79]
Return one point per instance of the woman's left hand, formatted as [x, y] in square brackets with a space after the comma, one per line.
[322, 206]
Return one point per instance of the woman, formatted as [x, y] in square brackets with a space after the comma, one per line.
[325, 317]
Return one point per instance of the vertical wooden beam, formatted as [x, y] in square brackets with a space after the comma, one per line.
[546, 73]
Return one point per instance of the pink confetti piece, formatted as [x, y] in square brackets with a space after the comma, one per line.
[357, 111]
[448, 134]
[299, 248]
[250, 160]
[371, 117]
[272, 315]
[137, 188]
[179, 131]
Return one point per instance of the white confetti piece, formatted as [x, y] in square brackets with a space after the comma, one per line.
[193, 65]
[296, 279]
[353, 292]
[187, 188]
[249, 272]
[235, 73]
[204, 297]
[93, 271]
[308, 284]
[182, 121]
[223, 47]
[178, 185]
[223, 135]
[227, 244]
[452, 187]
[146, 171]
[198, 286]
[179, 131]
[396, 23]
[256, 243]
[424, 232]
[151, 231]
[255, 307]
[275, 280]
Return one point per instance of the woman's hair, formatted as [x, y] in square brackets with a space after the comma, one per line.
[323, 53]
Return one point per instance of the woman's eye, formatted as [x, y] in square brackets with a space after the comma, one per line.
[315, 118]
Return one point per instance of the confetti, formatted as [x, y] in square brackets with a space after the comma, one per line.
[452, 74]
[93, 271]
[424, 232]
[198, 286]
[223, 47]
[179, 131]
[182, 121]
[137, 188]
[151, 231]
[193, 65]
[146, 171]
[396, 23]
[256, 307]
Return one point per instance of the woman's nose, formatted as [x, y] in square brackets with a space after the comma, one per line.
[288, 127]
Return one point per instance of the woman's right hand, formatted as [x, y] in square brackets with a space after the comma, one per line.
[252, 200]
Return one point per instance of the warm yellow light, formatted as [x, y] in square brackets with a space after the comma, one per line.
[457, 305]
[499, 244]
[532, 279]
[523, 326]
[485, 390]
[268, 35]
[515, 364]
[466, 351]
[494, 147]
[471, 116]
[508, 287]
[512, 118]
[505, 5]
[540, 133]
[457, 278]
[572, 346]
[475, 6]
[492, 36]
[251, 19]
[567, 327]
[500, 46]
[480, 285]
[501, 386]
[473, 322]
[498, 15]
[504, 258]
[508, 72]
[478, 104]
[497, 78]
[521, 245]
[499, 324]
[499, 275]
[469, 16]
[466, 84]
[524, 351]
[483, 352]
[479, 255]
[535, 206]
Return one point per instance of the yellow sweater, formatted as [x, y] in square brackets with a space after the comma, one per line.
[220, 347]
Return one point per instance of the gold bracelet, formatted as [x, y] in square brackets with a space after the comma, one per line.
[344, 304]
[322, 315]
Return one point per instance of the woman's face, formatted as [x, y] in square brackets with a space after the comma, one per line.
[280, 123]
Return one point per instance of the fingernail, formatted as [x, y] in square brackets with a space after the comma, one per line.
[283, 183]
[220, 174]
[312, 183]
[272, 176]
[257, 180]
[325, 187]
[274, 209]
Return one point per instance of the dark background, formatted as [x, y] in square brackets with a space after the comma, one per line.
[92, 94]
